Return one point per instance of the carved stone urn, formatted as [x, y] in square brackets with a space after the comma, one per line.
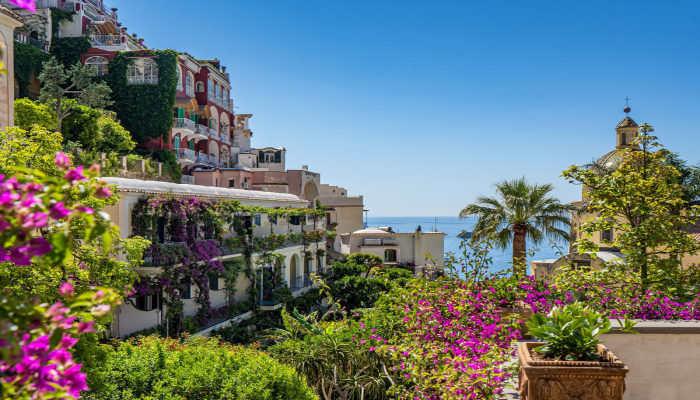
[570, 380]
[524, 313]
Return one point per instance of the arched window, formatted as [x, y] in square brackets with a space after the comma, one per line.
[210, 85]
[100, 63]
[224, 94]
[390, 255]
[200, 87]
[217, 90]
[176, 143]
[143, 71]
[179, 78]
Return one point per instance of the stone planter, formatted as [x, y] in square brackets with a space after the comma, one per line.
[523, 314]
[555, 380]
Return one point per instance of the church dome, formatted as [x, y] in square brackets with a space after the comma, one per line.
[627, 123]
[612, 159]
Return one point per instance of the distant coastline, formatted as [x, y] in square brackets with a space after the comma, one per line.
[453, 227]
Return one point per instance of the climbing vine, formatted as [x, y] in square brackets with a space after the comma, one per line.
[68, 50]
[145, 110]
[28, 62]
[57, 18]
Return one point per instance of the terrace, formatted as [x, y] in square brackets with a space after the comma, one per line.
[22, 37]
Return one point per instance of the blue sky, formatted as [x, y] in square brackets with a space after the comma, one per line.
[420, 106]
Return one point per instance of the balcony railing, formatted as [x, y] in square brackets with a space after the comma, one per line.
[131, 43]
[107, 40]
[267, 297]
[214, 161]
[190, 91]
[225, 139]
[203, 158]
[186, 154]
[24, 38]
[39, 4]
[184, 123]
[93, 15]
[301, 282]
[202, 130]
[214, 134]
[142, 80]
[96, 3]
[187, 179]
[211, 97]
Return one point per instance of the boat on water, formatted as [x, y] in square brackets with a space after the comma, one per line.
[465, 235]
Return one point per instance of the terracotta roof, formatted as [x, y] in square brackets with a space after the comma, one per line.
[694, 231]
[627, 122]
[7, 11]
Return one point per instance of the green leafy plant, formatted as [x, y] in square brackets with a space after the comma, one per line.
[571, 332]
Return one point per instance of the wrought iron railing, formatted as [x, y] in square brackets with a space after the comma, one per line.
[107, 40]
[93, 15]
[24, 38]
[267, 297]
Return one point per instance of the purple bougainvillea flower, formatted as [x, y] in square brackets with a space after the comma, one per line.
[75, 174]
[101, 309]
[26, 4]
[36, 220]
[59, 211]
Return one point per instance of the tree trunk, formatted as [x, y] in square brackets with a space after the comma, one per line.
[519, 250]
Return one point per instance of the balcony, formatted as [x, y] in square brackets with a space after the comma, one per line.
[92, 14]
[131, 44]
[188, 179]
[39, 4]
[214, 134]
[214, 161]
[107, 40]
[142, 80]
[185, 156]
[190, 91]
[184, 127]
[300, 282]
[203, 159]
[225, 139]
[24, 38]
[268, 300]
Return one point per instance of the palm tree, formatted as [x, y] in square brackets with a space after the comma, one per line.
[520, 211]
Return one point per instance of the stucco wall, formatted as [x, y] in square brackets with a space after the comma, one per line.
[661, 365]
[412, 247]
[7, 80]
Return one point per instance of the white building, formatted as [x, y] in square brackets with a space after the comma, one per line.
[394, 247]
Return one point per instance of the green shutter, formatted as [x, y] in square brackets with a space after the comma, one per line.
[192, 145]
[180, 112]
[176, 142]
[261, 157]
[278, 156]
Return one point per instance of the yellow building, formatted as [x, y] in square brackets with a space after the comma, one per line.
[625, 133]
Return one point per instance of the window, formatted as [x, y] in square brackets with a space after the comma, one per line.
[179, 78]
[258, 219]
[390, 255]
[160, 229]
[146, 303]
[189, 81]
[210, 85]
[224, 94]
[217, 90]
[100, 63]
[187, 293]
[213, 283]
[200, 87]
[176, 143]
[606, 235]
[295, 220]
[143, 71]
[269, 157]
[231, 183]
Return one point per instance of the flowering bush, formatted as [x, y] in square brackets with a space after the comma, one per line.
[35, 340]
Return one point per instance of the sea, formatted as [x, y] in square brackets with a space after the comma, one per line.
[453, 226]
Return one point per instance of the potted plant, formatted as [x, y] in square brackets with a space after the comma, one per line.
[505, 290]
[572, 363]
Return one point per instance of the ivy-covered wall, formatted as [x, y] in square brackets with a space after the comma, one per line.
[28, 61]
[57, 18]
[68, 50]
[144, 110]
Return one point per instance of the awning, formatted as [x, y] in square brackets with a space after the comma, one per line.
[204, 112]
[188, 103]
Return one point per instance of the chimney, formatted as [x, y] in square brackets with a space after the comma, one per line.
[304, 167]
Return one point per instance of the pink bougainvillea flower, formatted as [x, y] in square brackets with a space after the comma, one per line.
[102, 192]
[59, 211]
[26, 4]
[86, 210]
[101, 310]
[84, 327]
[66, 290]
[62, 160]
[75, 174]
[36, 220]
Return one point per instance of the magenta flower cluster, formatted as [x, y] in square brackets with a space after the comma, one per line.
[28, 206]
[653, 305]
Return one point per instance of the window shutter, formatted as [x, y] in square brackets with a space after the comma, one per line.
[261, 156]
[192, 145]
[278, 156]
[176, 143]
[180, 112]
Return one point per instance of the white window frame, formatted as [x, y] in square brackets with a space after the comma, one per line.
[143, 71]
[100, 63]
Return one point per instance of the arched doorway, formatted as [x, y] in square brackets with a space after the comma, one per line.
[293, 267]
[310, 191]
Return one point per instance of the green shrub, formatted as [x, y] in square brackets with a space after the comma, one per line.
[199, 368]
[357, 292]
[341, 270]
[114, 138]
[29, 113]
[81, 125]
